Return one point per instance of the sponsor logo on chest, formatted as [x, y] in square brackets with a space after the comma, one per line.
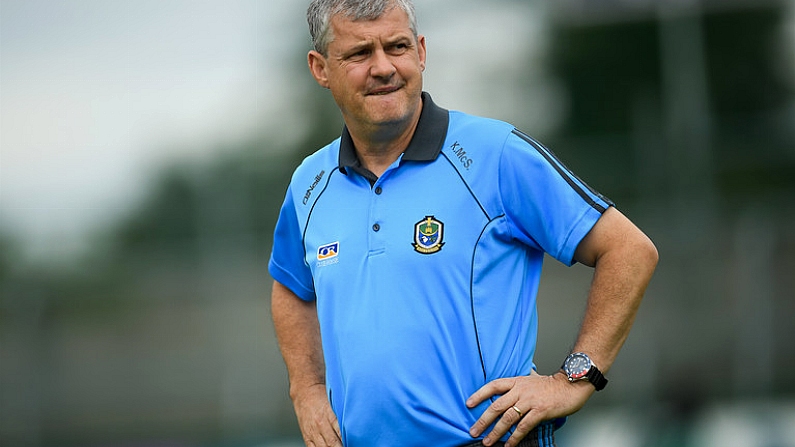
[327, 254]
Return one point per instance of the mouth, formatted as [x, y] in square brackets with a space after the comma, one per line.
[381, 91]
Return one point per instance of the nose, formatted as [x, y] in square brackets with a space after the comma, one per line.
[382, 66]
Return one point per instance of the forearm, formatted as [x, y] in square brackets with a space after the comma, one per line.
[622, 272]
[298, 333]
[615, 295]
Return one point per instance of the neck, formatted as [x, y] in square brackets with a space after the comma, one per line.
[379, 146]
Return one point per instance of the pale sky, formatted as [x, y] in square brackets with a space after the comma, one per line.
[96, 95]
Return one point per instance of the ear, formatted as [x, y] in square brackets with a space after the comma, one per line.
[421, 50]
[317, 66]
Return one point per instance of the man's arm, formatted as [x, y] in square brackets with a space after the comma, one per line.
[298, 332]
[624, 260]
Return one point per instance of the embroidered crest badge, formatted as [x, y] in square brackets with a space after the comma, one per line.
[428, 235]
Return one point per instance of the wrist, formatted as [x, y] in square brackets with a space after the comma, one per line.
[578, 367]
[561, 376]
[301, 389]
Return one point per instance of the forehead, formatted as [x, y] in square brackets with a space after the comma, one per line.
[392, 23]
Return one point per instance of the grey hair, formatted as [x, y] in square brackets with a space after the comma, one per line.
[320, 12]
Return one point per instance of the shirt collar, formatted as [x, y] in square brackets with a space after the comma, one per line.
[425, 145]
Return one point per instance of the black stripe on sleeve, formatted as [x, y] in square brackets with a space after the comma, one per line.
[566, 173]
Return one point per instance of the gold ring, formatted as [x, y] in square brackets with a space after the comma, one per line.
[517, 410]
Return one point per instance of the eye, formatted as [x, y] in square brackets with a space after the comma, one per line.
[359, 54]
[399, 48]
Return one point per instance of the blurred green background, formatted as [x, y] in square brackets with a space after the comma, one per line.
[145, 148]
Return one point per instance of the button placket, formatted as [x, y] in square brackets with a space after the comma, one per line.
[377, 190]
[376, 219]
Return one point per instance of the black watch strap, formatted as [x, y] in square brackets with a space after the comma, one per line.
[596, 377]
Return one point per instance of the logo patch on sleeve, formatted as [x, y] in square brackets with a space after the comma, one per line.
[428, 235]
[327, 254]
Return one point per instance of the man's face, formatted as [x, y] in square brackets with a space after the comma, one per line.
[373, 69]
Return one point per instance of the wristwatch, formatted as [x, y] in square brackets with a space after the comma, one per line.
[578, 366]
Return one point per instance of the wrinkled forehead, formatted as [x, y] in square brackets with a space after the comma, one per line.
[346, 32]
[392, 23]
[349, 18]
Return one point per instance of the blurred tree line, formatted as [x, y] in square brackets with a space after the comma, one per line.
[687, 121]
[622, 134]
[615, 75]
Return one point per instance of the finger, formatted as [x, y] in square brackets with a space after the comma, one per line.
[330, 439]
[337, 429]
[321, 430]
[315, 439]
[311, 437]
[330, 431]
[525, 425]
[499, 386]
[508, 419]
[495, 410]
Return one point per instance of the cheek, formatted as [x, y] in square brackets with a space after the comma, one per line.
[345, 85]
[352, 76]
[411, 69]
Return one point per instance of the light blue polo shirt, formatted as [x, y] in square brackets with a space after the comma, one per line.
[426, 277]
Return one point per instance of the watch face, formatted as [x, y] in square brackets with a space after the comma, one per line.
[577, 365]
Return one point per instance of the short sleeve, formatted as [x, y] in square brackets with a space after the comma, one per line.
[287, 264]
[547, 206]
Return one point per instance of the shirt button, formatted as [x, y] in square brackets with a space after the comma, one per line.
[376, 227]
[378, 190]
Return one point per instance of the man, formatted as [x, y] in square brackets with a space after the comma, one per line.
[408, 252]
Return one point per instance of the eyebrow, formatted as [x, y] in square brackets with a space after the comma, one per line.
[368, 44]
[398, 39]
[355, 48]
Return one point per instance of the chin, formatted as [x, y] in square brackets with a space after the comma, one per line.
[392, 110]
[389, 117]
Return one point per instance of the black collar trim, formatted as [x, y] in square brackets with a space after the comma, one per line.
[425, 145]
